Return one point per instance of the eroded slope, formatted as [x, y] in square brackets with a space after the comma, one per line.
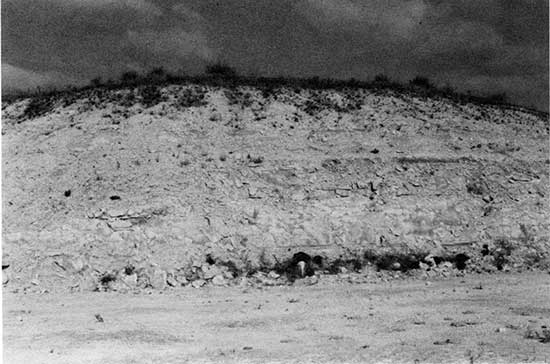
[103, 183]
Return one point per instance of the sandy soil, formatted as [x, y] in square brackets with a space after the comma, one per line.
[478, 318]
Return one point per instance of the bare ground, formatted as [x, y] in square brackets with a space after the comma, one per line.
[477, 318]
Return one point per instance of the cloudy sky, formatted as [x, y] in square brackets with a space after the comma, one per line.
[484, 46]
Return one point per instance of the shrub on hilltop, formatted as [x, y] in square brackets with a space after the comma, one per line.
[421, 82]
[221, 70]
[129, 78]
[157, 75]
[147, 89]
[38, 106]
[150, 95]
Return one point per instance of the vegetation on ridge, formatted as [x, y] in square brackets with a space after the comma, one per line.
[221, 75]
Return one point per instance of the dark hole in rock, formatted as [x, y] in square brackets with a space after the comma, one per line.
[485, 250]
[209, 259]
[318, 260]
[67, 193]
[299, 266]
[106, 278]
[374, 151]
[129, 270]
[460, 261]
[301, 256]
[114, 197]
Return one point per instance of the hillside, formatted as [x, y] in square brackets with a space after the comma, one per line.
[168, 185]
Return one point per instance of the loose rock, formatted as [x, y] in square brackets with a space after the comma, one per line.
[542, 333]
[423, 266]
[119, 224]
[117, 212]
[158, 280]
[219, 280]
[342, 193]
[253, 192]
[198, 283]
[172, 282]
[210, 271]
[130, 280]
[181, 279]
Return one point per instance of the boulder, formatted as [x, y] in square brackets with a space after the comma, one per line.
[158, 279]
[210, 271]
[198, 283]
[130, 280]
[219, 280]
[120, 224]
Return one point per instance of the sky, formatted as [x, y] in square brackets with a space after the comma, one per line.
[482, 46]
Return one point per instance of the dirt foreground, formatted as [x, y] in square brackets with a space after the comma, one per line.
[478, 318]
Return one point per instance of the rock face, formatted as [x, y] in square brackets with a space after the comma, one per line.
[242, 183]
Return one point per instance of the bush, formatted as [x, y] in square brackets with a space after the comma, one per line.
[150, 95]
[157, 75]
[448, 92]
[128, 100]
[422, 82]
[220, 74]
[221, 70]
[500, 98]
[38, 106]
[96, 82]
[381, 80]
[237, 97]
[191, 97]
[502, 252]
[129, 78]
[269, 91]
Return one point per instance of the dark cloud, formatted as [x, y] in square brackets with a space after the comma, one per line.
[484, 46]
